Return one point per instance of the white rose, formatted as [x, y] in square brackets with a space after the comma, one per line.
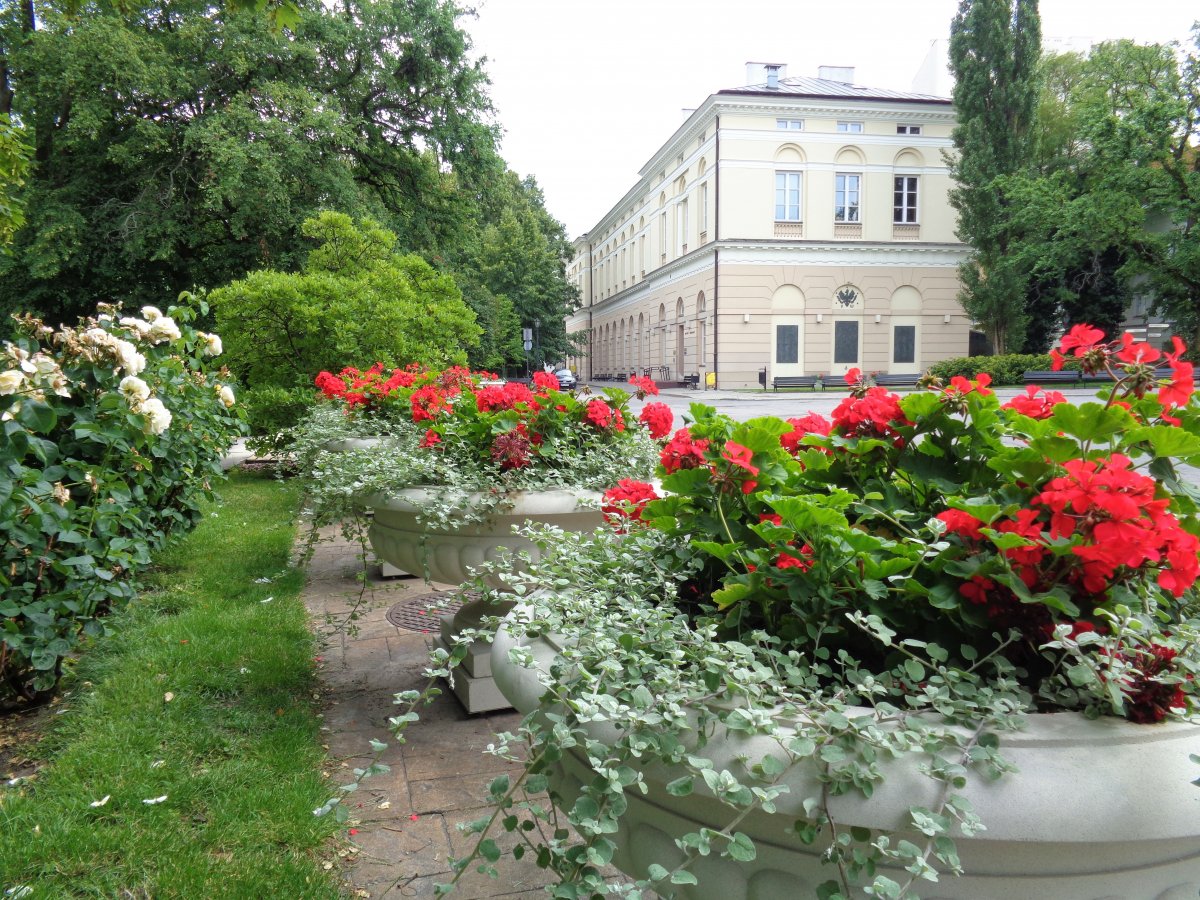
[141, 326]
[44, 365]
[212, 345]
[158, 417]
[225, 394]
[164, 329]
[150, 313]
[131, 361]
[134, 389]
[11, 381]
[97, 337]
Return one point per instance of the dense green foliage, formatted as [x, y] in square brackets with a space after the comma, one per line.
[14, 166]
[112, 435]
[182, 144]
[1006, 369]
[1111, 207]
[204, 703]
[354, 298]
[994, 51]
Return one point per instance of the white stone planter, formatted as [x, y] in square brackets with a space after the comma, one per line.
[450, 556]
[1099, 810]
[354, 443]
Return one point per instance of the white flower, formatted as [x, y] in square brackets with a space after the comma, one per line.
[150, 313]
[97, 337]
[164, 329]
[101, 801]
[44, 365]
[134, 389]
[158, 417]
[141, 326]
[212, 345]
[131, 361]
[11, 381]
[154, 800]
[226, 396]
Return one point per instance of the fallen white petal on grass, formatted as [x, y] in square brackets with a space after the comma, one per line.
[158, 763]
[154, 800]
[101, 801]
[268, 600]
[262, 580]
[168, 697]
[243, 671]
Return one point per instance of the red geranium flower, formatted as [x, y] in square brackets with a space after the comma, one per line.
[1034, 406]
[643, 386]
[599, 413]
[813, 423]
[962, 523]
[658, 419]
[627, 500]
[546, 381]
[681, 452]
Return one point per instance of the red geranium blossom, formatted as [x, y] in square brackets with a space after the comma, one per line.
[813, 423]
[1033, 405]
[962, 523]
[876, 413]
[658, 419]
[627, 500]
[740, 456]
[681, 452]
[599, 413]
[546, 381]
[643, 386]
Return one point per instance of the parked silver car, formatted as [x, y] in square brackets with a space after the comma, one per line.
[566, 379]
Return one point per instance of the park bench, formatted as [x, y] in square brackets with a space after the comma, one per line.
[1068, 376]
[795, 381]
[692, 381]
[883, 379]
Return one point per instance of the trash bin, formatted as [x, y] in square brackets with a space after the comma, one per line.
[762, 377]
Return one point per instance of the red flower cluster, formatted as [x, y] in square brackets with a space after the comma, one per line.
[627, 500]
[509, 395]
[875, 414]
[546, 381]
[658, 419]
[681, 452]
[366, 389]
[1114, 509]
[643, 387]
[1037, 403]
[604, 416]
[512, 449]
[426, 402]
[813, 423]
[960, 387]
[741, 458]
[1135, 359]
[1148, 700]
[962, 523]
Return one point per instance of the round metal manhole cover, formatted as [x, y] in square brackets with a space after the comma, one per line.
[423, 613]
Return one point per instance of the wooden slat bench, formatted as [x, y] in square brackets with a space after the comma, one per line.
[883, 379]
[1068, 376]
[795, 381]
[692, 381]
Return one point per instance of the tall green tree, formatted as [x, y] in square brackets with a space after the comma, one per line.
[1112, 207]
[994, 51]
[182, 142]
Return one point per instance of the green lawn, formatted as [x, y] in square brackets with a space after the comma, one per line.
[203, 695]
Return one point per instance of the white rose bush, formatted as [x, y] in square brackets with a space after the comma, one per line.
[113, 433]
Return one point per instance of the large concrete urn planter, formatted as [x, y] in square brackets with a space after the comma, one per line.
[1099, 810]
[449, 555]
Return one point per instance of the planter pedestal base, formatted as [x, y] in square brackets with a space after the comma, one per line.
[473, 683]
[387, 570]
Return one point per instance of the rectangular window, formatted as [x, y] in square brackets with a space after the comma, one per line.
[662, 234]
[847, 197]
[683, 226]
[704, 206]
[904, 200]
[845, 342]
[904, 344]
[787, 196]
[908, 129]
[850, 127]
[790, 124]
[787, 344]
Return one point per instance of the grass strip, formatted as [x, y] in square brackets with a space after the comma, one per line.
[196, 720]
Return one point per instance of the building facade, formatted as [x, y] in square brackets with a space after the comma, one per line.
[796, 226]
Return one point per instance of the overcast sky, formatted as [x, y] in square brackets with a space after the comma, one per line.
[587, 90]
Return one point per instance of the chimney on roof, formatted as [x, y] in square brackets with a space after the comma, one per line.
[844, 74]
[759, 72]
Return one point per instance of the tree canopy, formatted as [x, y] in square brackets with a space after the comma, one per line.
[994, 50]
[181, 143]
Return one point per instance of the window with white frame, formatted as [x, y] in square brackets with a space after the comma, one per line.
[847, 197]
[908, 129]
[683, 226]
[704, 207]
[904, 200]
[787, 196]
[789, 124]
[850, 127]
[662, 234]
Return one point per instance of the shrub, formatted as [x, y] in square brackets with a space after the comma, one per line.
[113, 433]
[270, 410]
[1006, 369]
[355, 299]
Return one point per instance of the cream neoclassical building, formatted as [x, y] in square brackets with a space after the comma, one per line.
[798, 225]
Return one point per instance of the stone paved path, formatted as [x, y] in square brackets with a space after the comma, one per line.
[405, 820]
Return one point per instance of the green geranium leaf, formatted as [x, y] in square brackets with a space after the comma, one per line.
[731, 594]
[1090, 421]
[1167, 440]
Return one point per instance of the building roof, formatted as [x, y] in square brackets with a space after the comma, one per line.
[824, 88]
